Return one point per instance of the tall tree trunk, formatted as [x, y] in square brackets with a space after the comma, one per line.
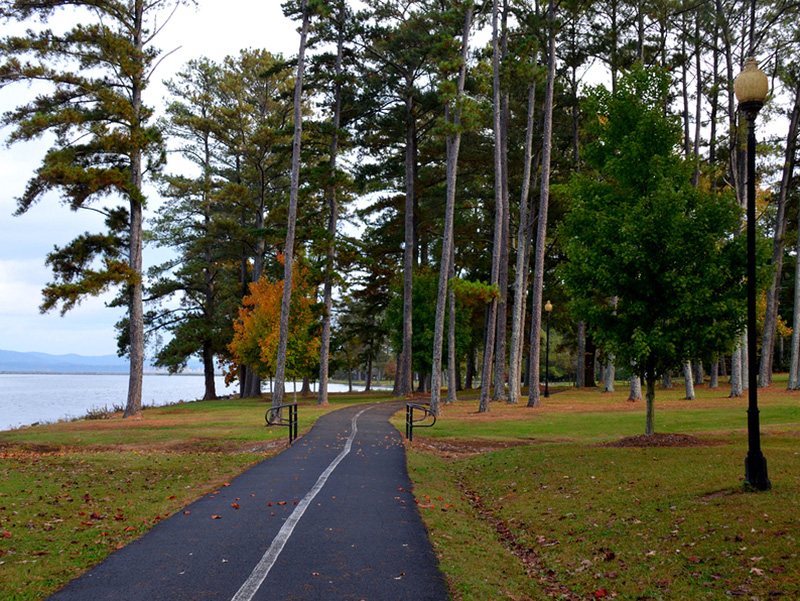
[610, 374]
[133, 407]
[453, 376]
[736, 372]
[397, 376]
[688, 380]
[650, 398]
[288, 254]
[368, 379]
[491, 321]
[407, 379]
[636, 389]
[521, 280]
[590, 367]
[699, 375]
[468, 377]
[713, 377]
[771, 315]
[698, 116]
[446, 266]
[580, 370]
[794, 358]
[745, 363]
[544, 201]
[333, 215]
[500, 371]
[210, 393]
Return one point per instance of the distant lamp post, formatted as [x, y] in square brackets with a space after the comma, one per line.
[547, 309]
[751, 87]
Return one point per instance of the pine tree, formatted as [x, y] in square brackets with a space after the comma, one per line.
[103, 142]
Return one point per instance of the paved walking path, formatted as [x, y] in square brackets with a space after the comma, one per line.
[329, 518]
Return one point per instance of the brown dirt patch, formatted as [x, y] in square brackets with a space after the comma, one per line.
[195, 446]
[460, 448]
[662, 440]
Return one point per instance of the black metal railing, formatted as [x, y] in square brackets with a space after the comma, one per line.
[412, 423]
[275, 417]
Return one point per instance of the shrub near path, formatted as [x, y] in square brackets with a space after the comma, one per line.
[73, 492]
[570, 514]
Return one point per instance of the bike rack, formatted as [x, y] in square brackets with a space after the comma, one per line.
[274, 417]
[412, 423]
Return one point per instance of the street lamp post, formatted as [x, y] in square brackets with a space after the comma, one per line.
[547, 309]
[751, 87]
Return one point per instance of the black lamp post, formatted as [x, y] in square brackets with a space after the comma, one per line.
[751, 87]
[547, 309]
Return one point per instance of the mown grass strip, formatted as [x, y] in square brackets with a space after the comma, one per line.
[606, 522]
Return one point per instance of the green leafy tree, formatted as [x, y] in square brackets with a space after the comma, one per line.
[203, 276]
[257, 329]
[640, 233]
[92, 75]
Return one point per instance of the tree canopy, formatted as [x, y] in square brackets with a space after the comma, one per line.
[655, 268]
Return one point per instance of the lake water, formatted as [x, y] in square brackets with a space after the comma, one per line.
[29, 398]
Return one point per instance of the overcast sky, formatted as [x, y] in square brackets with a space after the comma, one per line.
[216, 28]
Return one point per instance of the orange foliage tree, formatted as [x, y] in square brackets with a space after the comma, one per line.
[255, 339]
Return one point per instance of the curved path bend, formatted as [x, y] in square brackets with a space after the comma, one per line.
[330, 518]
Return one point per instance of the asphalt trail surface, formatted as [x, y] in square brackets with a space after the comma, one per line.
[359, 538]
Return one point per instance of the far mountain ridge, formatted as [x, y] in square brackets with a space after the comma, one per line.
[13, 361]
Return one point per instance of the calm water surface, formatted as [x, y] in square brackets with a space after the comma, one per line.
[29, 398]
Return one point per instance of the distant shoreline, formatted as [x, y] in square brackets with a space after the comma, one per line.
[92, 373]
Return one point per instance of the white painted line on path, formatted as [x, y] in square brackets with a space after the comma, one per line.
[259, 574]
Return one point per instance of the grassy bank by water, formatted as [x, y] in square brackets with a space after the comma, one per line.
[528, 504]
[73, 492]
[521, 504]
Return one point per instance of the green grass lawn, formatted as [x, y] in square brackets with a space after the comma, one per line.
[566, 517]
[520, 503]
[73, 492]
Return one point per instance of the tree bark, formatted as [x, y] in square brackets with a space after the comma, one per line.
[736, 372]
[794, 358]
[699, 374]
[500, 371]
[210, 393]
[636, 389]
[133, 406]
[333, 215]
[610, 374]
[446, 264]
[689, 380]
[521, 280]
[650, 402]
[544, 201]
[580, 369]
[407, 380]
[288, 254]
[453, 376]
[491, 321]
[771, 315]
[368, 378]
[468, 377]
